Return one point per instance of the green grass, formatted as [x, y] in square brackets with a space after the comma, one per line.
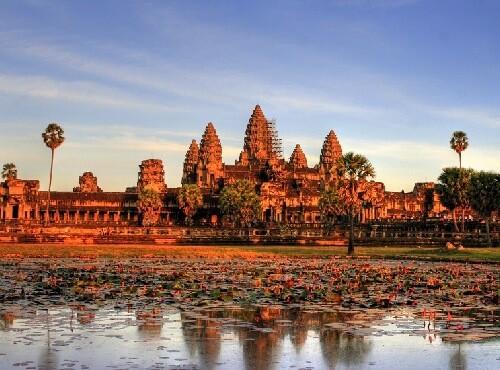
[176, 251]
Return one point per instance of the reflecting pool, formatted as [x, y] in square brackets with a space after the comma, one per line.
[229, 336]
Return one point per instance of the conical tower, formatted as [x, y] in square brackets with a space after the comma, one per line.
[258, 143]
[189, 169]
[298, 158]
[210, 167]
[330, 153]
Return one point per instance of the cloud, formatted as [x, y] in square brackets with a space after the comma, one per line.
[228, 87]
[82, 92]
[471, 115]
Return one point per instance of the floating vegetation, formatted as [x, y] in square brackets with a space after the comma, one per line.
[460, 302]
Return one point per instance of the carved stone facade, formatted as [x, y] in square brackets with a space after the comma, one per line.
[19, 199]
[152, 175]
[210, 168]
[190, 163]
[298, 158]
[88, 184]
[330, 153]
[289, 191]
[258, 143]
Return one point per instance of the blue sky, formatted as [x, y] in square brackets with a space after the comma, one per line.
[132, 80]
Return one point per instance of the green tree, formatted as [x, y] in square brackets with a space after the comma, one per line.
[485, 197]
[330, 205]
[353, 188]
[240, 202]
[190, 199]
[453, 189]
[459, 142]
[9, 171]
[53, 138]
[149, 204]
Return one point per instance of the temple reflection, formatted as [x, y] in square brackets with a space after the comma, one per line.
[150, 321]
[261, 331]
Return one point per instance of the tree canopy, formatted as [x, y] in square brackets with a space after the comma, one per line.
[53, 136]
[190, 199]
[9, 171]
[453, 189]
[240, 202]
[149, 204]
[485, 196]
[459, 142]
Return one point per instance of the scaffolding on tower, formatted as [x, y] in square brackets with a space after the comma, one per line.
[276, 143]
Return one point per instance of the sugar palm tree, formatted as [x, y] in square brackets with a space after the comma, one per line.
[9, 171]
[459, 142]
[53, 138]
[353, 171]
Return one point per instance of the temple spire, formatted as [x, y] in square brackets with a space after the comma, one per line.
[258, 143]
[189, 169]
[210, 167]
[298, 158]
[330, 153]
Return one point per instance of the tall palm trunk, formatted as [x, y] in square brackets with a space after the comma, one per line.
[50, 185]
[350, 248]
[463, 220]
[488, 237]
[455, 220]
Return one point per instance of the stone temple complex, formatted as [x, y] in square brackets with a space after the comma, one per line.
[289, 189]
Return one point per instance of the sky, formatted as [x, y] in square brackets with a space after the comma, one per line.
[133, 80]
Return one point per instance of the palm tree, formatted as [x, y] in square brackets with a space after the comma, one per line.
[53, 138]
[353, 171]
[459, 142]
[9, 171]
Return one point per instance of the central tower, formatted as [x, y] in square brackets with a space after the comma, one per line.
[261, 143]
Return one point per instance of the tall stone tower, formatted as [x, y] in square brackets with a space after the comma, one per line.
[258, 143]
[330, 153]
[298, 158]
[210, 168]
[152, 175]
[190, 163]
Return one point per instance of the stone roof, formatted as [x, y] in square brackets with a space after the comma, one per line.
[331, 150]
[210, 146]
[298, 158]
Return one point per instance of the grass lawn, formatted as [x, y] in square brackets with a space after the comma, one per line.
[176, 251]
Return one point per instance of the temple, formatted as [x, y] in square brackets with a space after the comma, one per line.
[289, 190]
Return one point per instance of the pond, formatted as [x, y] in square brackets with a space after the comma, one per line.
[225, 336]
[247, 313]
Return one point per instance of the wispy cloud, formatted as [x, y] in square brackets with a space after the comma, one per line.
[82, 92]
[478, 116]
